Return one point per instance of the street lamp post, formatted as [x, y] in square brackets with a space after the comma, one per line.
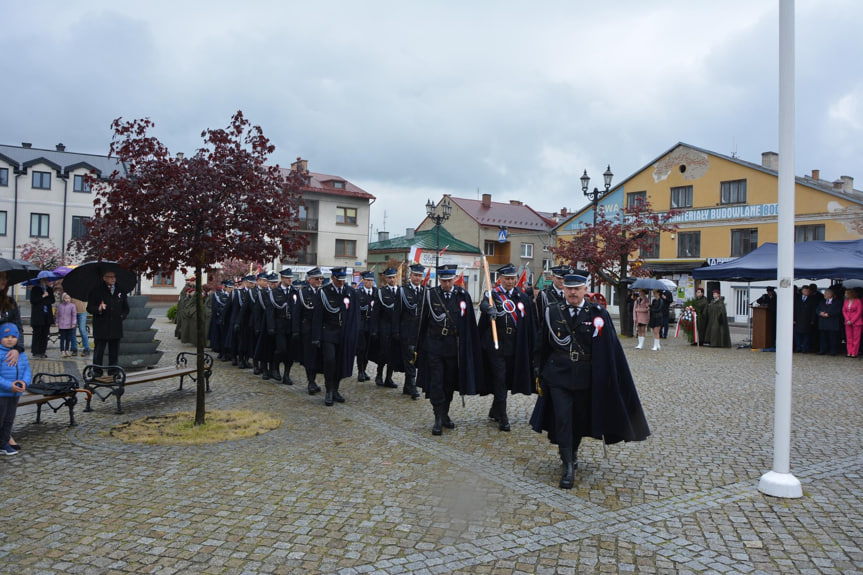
[595, 197]
[438, 219]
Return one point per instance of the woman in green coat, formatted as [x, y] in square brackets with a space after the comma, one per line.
[718, 334]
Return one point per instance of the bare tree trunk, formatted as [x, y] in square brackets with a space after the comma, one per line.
[200, 403]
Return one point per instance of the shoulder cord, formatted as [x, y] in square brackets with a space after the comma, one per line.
[303, 301]
[408, 305]
[276, 305]
[327, 306]
[383, 303]
[439, 318]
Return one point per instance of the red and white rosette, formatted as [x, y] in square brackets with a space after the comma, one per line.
[347, 301]
[463, 306]
[598, 324]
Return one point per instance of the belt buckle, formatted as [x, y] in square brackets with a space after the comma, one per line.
[574, 356]
[444, 331]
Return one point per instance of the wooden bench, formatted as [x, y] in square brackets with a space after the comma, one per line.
[60, 400]
[105, 381]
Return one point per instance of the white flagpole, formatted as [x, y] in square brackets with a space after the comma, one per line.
[780, 482]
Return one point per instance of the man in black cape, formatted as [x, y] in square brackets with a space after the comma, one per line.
[509, 366]
[308, 298]
[335, 329]
[448, 343]
[587, 388]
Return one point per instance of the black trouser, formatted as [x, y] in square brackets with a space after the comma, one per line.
[113, 351]
[501, 373]
[829, 342]
[283, 350]
[331, 354]
[40, 339]
[363, 345]
[8, 406]
[571, 403]
[442, 379]
[408, 359]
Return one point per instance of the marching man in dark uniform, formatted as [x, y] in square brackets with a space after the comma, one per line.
[335, 328]
[266, 346]
[283, 299]
[410, 305]
[586, 389]
[224, 321]
[367, 294]
[448, 342]
[240, 310]
[308, 299]
[386, 312]
[509, 365]
[220, 308]
[258, 321]
[554, 293]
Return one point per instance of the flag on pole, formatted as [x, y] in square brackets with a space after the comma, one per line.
[416, 254]
[522, 281]
[427, 276]
[460, 280]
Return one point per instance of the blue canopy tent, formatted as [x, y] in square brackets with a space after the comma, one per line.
[812, 260]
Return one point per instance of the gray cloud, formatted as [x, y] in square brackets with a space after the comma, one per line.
[411, 100]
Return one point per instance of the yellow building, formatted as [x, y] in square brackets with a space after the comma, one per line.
[728, 207]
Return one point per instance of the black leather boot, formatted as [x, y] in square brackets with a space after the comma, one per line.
[328, 398]
[265, 371]
[492, 412]
[336, 395]
[437, 428]
[275, 373]
[257, 367]
[379, 378]
[286, 378]
[502, 419]
[447, 422]
[388, 382]
[567, 478]
[313, 388]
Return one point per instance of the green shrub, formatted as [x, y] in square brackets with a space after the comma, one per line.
[172, 313]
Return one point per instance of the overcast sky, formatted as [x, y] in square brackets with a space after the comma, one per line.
[410, 100]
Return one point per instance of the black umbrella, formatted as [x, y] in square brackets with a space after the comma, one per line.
[640, 283]
[17, 271]
[79, 282]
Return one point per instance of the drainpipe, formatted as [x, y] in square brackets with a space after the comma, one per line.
[15, 217]
[65, 210]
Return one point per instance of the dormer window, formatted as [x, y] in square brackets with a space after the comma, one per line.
[338, 185]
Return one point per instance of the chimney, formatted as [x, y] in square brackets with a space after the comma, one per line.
[409, 233]
[61, 147]
[816, 174]
[563, 212]
[300, 165]
[26, 145]
[770, 160]
[514, 203]
[847, 183]
[486, 200]
[838, 185]
[382, 236]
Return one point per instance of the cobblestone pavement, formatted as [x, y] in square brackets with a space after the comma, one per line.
[363, 487]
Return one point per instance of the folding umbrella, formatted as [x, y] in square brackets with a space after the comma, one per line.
[79, 282]
[17, 271]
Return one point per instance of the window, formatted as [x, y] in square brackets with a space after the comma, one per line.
[650, 247]
[527, 250]
[689, 245]
[163, 279]
[809, 233]
[346, 248]
[733, 192]
[2, 223]
[4, 177]
[41, 180]
[39, 225]
[546, 265]
[339, 185]
[681, 197]
[488, 247]
[346, 216]
[743, 241]
[635, 199]
[79, 226]
[81, 185]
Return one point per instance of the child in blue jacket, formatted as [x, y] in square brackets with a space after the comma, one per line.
[13, 381]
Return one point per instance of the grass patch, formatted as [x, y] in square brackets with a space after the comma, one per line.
[180, 428]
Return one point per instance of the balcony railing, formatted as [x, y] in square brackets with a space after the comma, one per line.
[308, 224]
[307, 259]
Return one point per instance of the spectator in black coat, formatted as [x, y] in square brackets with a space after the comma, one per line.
[41, 314]
[829, 322]
[109, 307]
[805, 320]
